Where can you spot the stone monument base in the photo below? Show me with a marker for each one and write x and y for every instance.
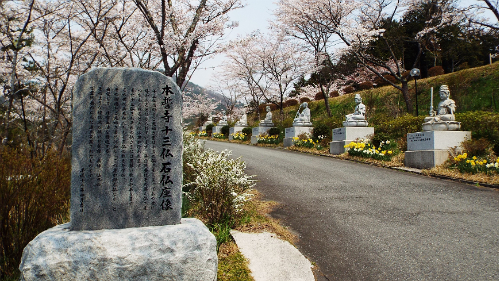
(442, 126)
(258, 131)
(429, 149)
(185, 251)
(425, 159)
(345, 135)
(235, 129)
(217, 130)
(294, 131)
(355, 123)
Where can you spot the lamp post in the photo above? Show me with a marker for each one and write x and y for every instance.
(415, 73)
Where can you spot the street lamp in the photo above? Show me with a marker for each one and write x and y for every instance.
(416, 73)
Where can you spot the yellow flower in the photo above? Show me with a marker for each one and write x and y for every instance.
(474, 157)
(390, 152)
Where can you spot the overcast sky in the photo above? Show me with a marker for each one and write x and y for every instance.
(253, 16)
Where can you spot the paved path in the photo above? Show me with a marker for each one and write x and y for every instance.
(359, 222)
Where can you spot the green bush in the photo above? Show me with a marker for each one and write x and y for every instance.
(34, 196)
(248, 131)
(482, 124)
(321, 131)
(209, 129)
(225, 130)
(274, 131)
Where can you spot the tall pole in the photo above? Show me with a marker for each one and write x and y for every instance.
(416, 87)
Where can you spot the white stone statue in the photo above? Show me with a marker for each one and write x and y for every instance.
(358, 117)
(243, 122)
(209, 121)
(223, 121)
(302, 118)
(268, 119)
(443, 119)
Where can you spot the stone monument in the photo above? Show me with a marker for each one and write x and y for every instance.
(301, 124)
(239, 126)
(430, 147)
(125, 188)
(263, 127)
(354, 127)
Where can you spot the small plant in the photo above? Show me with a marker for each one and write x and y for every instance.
(209, 129)
(474, 164)
(239, 136)
(364, 148)
(266, 139)
(218, 136)
(248, 131)
(308, 143)
(225, 131)
(203, 134)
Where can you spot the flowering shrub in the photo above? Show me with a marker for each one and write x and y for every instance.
(203, 134)
(364, 148)
(239, 136)
(268, 139)
(475, 165)
(308, 143)
(215, 185)
(218, 135)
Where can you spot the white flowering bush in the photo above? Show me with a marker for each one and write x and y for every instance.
(216, 186)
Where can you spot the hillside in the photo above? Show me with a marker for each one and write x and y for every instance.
(475, 91)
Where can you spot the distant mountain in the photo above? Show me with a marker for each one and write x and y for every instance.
(196, 89)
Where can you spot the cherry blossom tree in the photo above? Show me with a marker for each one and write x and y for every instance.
(363, 27)
(199, 106)
(183, 32)
(266, 67)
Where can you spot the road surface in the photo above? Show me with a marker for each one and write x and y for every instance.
(359, 222)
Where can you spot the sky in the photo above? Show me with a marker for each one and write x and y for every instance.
(255, 15)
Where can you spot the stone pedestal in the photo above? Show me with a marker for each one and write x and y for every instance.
(217, 130)
(429, 149)
(292, 132)
(345, 135)
(186, 251)
(235, 129)
(202, 128)
(258, 131)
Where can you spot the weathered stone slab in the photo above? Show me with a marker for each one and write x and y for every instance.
(352, 133)
(127, 150)
(425, 159)
(436, 140)
(186, 251)
(217, 129)
(295, 131)
(235, 129)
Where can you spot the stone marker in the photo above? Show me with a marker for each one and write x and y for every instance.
(127, 148)
(125, 189)
(263, 127)
(441, 132)
(354, 127)
(301, 124)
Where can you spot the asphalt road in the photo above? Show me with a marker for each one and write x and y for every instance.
(359, 222)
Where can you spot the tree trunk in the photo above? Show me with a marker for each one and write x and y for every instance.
(326, 99)
(407, 97)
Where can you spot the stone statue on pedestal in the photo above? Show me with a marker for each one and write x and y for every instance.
(243, 122)
(267, 122)
(443, 119)
(358, 117)
(302, 118)
(223, 121)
